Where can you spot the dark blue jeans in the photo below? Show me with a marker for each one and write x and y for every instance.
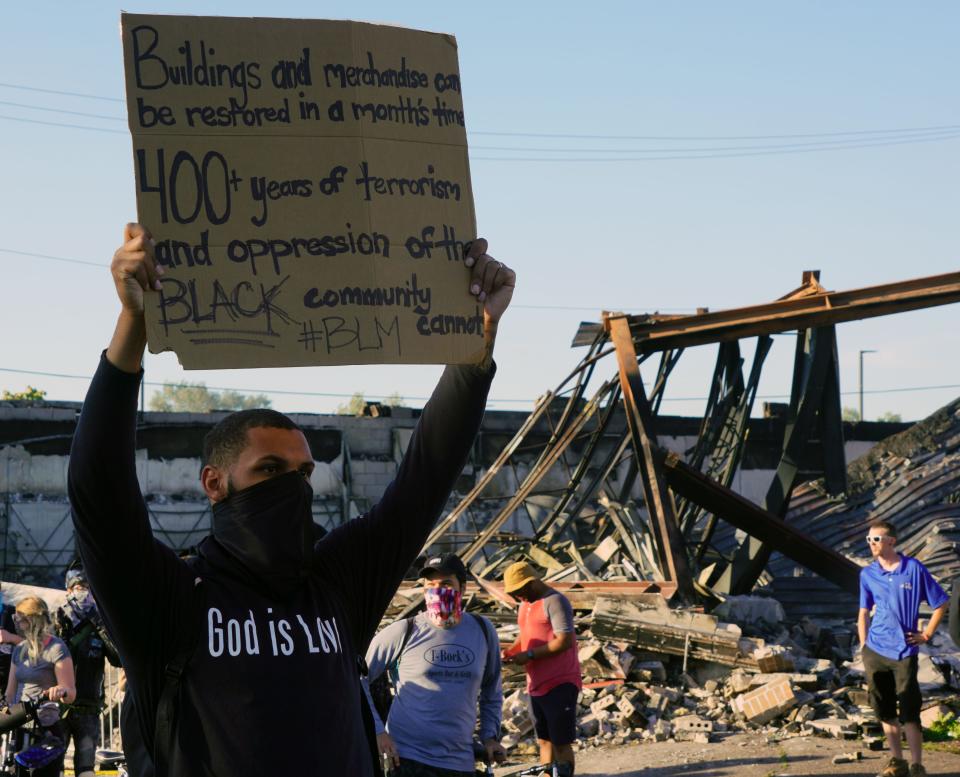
(84, 727)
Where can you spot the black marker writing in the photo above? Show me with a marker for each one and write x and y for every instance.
(336, 74)
(424, 186)
(151, 71)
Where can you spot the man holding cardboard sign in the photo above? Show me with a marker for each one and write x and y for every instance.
(244, 661)
(307, 187)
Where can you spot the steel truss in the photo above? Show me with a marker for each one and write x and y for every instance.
(575, 463)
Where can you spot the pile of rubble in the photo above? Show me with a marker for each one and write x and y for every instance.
(686, 675)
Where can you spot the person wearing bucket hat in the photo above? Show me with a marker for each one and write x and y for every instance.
(547, 648)
(442, 664)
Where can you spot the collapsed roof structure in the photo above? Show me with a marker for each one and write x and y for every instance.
(673, 523)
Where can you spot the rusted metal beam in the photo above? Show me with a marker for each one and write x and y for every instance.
(725, 462)
(757, 522)
(659, 502)
(582, 466)
(551, 457)
(444, 526)
(814, 404)
(800, 311)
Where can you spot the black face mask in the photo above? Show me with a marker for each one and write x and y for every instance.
(268, 529)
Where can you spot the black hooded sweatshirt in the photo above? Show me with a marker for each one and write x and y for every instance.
(272, 686)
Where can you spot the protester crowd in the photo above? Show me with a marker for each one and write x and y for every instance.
(57, 656)
(432, 681)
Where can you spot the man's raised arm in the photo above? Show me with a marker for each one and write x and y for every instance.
(372, 553)
(128, 570)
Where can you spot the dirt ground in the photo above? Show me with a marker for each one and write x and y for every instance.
(743, 755)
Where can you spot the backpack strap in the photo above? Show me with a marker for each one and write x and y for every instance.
(165, 731)
(366, 715)
(392, 671)
(77, 639)
(366, 712)
(493, 643)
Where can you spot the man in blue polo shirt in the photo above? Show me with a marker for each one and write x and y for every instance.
(893, 587)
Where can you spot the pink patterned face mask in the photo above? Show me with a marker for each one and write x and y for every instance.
(443, 606)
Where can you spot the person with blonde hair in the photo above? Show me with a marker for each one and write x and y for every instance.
(41, 664)
(41, 667)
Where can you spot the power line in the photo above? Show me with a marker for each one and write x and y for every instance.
(59, 124)
(61, 110)
(854, 392)
(845, 140)
(897, 390)
(682, 138)
(684, 154)
(938, 128)
(924, 139)
(25, 88)
(328, 395)
(101, 265)
(594, 136)
(819, 143)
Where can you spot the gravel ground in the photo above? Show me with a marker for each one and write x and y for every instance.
(743, 755)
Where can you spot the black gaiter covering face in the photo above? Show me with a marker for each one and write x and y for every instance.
(268, 529)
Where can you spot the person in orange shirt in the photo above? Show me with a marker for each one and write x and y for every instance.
(547, 649)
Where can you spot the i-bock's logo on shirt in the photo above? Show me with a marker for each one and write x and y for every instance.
(450, 656)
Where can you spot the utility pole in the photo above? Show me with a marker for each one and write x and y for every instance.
(861, 381)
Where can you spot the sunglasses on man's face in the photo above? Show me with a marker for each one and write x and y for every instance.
(875, 538)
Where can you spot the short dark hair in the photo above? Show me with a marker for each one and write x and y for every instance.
(891, 529)
(223, 443)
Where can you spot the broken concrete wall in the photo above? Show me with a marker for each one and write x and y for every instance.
(23, 472)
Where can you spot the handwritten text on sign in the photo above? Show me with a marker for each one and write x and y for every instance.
(308, 187)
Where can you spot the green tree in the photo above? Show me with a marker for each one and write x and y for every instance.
(358, 403)
(851, 414)
(353, 406)
(197, 398)
(32, 394)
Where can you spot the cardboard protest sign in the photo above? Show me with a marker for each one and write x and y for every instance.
(308, 187)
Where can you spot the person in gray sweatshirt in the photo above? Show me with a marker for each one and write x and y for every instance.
(442, 663)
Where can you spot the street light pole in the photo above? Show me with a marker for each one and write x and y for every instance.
(861, 381)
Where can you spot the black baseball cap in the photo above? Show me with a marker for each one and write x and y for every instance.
(75, 576)
(449, 563)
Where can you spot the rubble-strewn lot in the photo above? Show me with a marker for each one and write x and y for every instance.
(655, 674)
(744, 755)
(686, 667)
(762, 676)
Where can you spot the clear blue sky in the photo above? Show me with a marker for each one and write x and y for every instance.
(725, 229)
